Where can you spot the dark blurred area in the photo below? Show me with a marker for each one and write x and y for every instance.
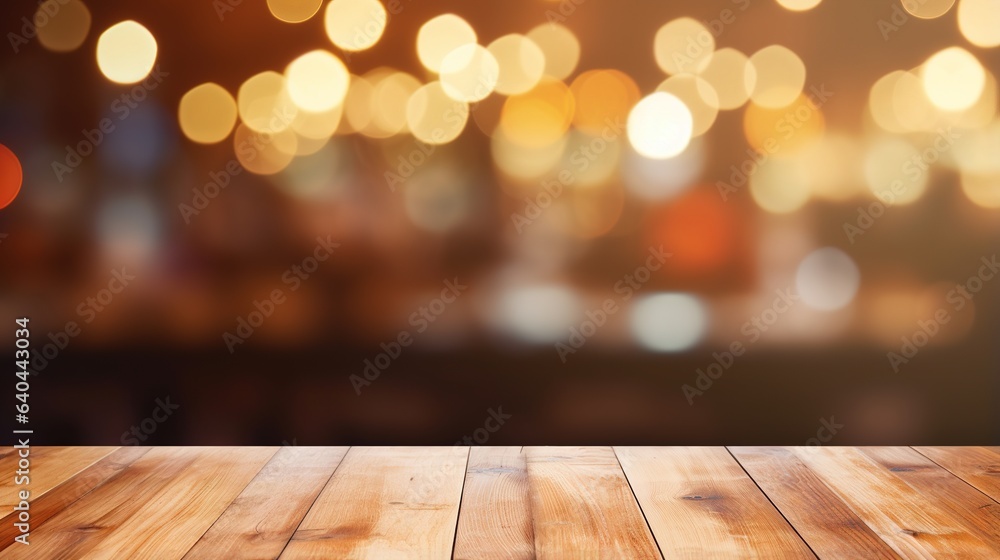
(374, 284)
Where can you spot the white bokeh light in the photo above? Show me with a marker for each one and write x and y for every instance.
(827, 279)
(668, 322)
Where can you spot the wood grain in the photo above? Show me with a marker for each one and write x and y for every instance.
(975, 510)
(157, 508)
(48, 468)
(261, 520)
(582, 506)
(914, 526)
(830, 528)
(494, 522)
(700, 504)
(386, 502)
(59, 498)
(979, 466)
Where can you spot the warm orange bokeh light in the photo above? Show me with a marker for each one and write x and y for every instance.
(10, 176)
(698, 228)
(603, 97)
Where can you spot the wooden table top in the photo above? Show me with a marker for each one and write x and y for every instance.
(506, 502)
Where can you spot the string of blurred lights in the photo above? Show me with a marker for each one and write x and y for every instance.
(543, 116)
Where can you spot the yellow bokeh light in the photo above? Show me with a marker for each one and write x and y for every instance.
(784, 130)
(699, 97)
(800, 5)
(126, 52)
(390, 95)
(62, 24)
(538, 117)
(603, 98)
(355, 25)
(525, 163)
(730, 76)
(560, 46)
(780, 186)
(433, 117)
(910, 105)
(293, 11)
(317, 126)
(979, 22)
(881, 105)
(317, 81)
(469, 73)
(953, 79)
(441, 35)
(832, 164)
(521, 63)
(895, 171)
(927, 9)
(778, 76)
(207, 113)
(975, 151)
(682, 45)
(264, 104)
(982, 112)
(358, 105)
(264, 153)
(660, 126)
(983, 190)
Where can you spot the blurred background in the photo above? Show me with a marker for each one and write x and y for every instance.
(364, 222)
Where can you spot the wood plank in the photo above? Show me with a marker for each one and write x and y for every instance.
(979, 466)
(582, 506)
(71, 533)
(261, 520)
(49, 467)
(977, 511)
(700, 504)
(494, 522)
(157, 508)
(388, 502)
(9, 464)
(913, 525)
(827, 524)
(59, 498)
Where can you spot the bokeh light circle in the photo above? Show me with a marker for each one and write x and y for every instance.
(827, 279)
(355, 25)
(668, 322)
(126, 52)
(660, 126)
(317, 81)
(207, 113)
(62, 25)
(11, 176)
(441, 35)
